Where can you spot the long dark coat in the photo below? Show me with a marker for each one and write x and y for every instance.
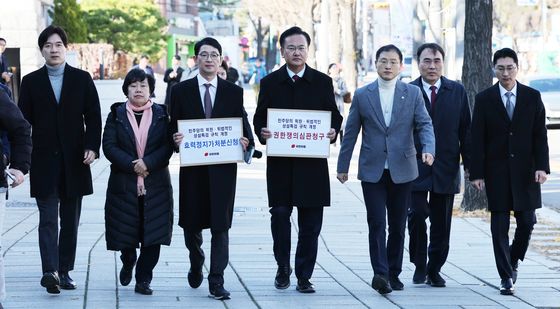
(507, 153)
(451, 119)
(171, 81)
(301, 182)
(207, 192)
(65, 129)
(122, 221)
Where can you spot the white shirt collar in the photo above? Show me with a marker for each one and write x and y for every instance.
(503, 90)
(300, 73)
(202, 81)
(427, 86)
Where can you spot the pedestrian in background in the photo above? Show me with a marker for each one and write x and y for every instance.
(172, 76)
(259, 71)
(340, 91)
(300, 182)
(388, 112)
(62, 106)
(139, 203)
(19, 131)
(509, 159)
(433, 192)
(5, 76)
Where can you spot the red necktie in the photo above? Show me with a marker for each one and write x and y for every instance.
(295, 78)
(433, 97)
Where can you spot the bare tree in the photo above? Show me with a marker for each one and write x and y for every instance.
(348, 27)
(477, 73)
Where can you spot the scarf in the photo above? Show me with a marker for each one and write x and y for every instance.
(140, 133)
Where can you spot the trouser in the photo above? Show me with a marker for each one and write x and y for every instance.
(438, 208)
(58, 250)
(310, 221)
(219, 254)
(149, 257)
(386, 203)
(504, 254)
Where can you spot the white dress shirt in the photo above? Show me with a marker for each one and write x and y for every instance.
(202, 88)
(427, 89)
(300, 73)
(512, 99)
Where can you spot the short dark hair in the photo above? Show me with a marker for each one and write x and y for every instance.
(207, 41)
(50, 30)
(293, 31)
(505, 53)
(2, 39)
(138, 75)
(144, 57)
(388, 48)
(331, 66)
(177, 57)
(224, 65)
(434, 47)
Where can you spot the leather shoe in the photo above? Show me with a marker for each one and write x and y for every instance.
(217, 291)
(282, 280)
(419, 276)
(51, 282)
(435, 280)
(125, 276)
(395, 283)
(381, 284)
(143, 288)
(67, 283)
(195, 277)
(304, 286)
(506, 287)
(514, 267)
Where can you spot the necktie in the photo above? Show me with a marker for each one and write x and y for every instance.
(433, 97)
(295, 78)
(207, 102)
(509, 105)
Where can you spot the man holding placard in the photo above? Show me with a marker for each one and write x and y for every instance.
(207, 190)
(293, 178)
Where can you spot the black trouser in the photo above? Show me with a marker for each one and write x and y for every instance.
(149, 257)
(219, 254)
(505, 254)
(310, 221)
(386, 203)
(58, 251)
(439, 209)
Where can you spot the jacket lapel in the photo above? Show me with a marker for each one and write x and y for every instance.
(218, 101)
(499, 104)
(398, 100)
(66, 84)
(375, 102)
(193, 91)
(48, 87)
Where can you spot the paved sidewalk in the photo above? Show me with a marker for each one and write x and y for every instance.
(342, 275)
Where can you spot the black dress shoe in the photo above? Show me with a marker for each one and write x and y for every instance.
(514, 267)
(143, 288)
(381, 284)
(51, 282)
(435, 280)
(125, 276)
(304, 286)
(67, 283)
(506, 287)
(419, 276)
(217, 291)
(282, 280)
(396, 283)
(195, 277)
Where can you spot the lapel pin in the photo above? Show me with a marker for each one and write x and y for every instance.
(402, 97)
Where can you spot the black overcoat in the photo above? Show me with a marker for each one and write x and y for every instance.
(451, 119)
(65, 129)
(301, 182)
(122, 220)
(507, 153)
(206, 193)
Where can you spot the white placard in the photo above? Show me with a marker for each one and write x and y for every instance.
(298, 133)
(210, 141)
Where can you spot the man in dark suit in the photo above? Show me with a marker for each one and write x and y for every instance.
(172, 76)
(207, 192)
(300, 182)
(62, 106)
(4, 75)
(434, 190)
(509, 159)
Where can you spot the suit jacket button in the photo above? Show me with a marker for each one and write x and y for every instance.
(511, 133)
(511, 155)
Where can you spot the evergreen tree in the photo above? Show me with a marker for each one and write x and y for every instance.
(68, 15)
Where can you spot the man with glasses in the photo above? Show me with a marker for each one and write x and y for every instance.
(434, 190)
(207, 192)
(509, 159)
(300, 182)
(388, 112)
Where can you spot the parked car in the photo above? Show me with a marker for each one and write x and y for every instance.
(406, 73)
(549, 86)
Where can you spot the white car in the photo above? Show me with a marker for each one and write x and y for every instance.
(549, 86)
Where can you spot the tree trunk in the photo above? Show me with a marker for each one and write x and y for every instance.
(477, 74)
(335, 24)
(348, 25)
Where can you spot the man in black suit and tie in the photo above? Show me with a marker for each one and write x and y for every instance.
(207, 192)
(509, 159)
(434, 190)
(61, 104)
(300, 182)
